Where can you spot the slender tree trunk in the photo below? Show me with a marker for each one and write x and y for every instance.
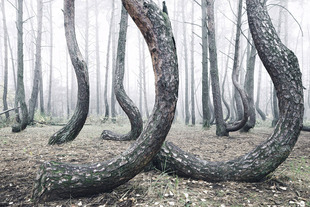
(36, 81)
(106, 102)
(57, 180)
(187, 115)
(217, 102)
(6, 66)
(13, 63)
(282, 65)
(73, 127)
(125, 102)
(260, 112)
(67, 91)
(113, 101)
(49, 100)
(20, 124)
(97, 62)
(86, 31)
(249, 86)
(144, 82)
(140, 85)
(205, 74)
(193, 68)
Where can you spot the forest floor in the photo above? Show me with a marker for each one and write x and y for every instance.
(22, 153)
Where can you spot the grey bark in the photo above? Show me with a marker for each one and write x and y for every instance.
(259, 111)
(58, 180)
(113, 101)
(146, 108)
(98, 74)
(193, 69)
(217, 101)
(282, 65)
(21, 122)
(105, 94)
(206, 114)
(36, 81)
(73, 127)
(6, 62)
(49, 100)
(249, 87)
(186, 105)
(125, 102)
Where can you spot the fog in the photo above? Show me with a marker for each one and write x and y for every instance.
(296, 36)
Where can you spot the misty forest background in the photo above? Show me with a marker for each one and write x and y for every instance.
(97, 26)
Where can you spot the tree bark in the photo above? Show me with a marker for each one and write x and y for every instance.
(125, 102)
(249, 87)
(113, 101)
(259, 111)
(57, 180)
(98, 74)
(146, 108)
(76, 123)
(20, 124)
(36, 81)
(282, 65)
(187, 115)
(49, 100)
(217, 101)
(105, 94)
(206, 114)
(193, 116)
(6, 65)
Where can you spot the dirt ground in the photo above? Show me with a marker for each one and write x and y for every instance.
(22, 154)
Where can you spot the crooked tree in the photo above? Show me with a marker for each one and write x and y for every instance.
(58, 180)
(283, 68)
(125, 102)
(76, 123)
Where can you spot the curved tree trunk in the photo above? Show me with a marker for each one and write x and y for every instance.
(249, 88)
(125, 102)
(57, 180)
(76, 123)
(282, 65)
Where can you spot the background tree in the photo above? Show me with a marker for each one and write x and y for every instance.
(76, 123)
(125, 102)
(6, 62)
(21, 122)
(38, 66)
(205, 74)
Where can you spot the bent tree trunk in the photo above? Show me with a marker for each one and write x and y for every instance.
(125, 102)
(76, 123)
(57, 180)
(283, 67)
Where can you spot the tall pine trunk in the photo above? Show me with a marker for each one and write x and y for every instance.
(21, 122)
(6, 66)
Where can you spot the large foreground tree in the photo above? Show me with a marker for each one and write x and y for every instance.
(58, 180)
(282, 65)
